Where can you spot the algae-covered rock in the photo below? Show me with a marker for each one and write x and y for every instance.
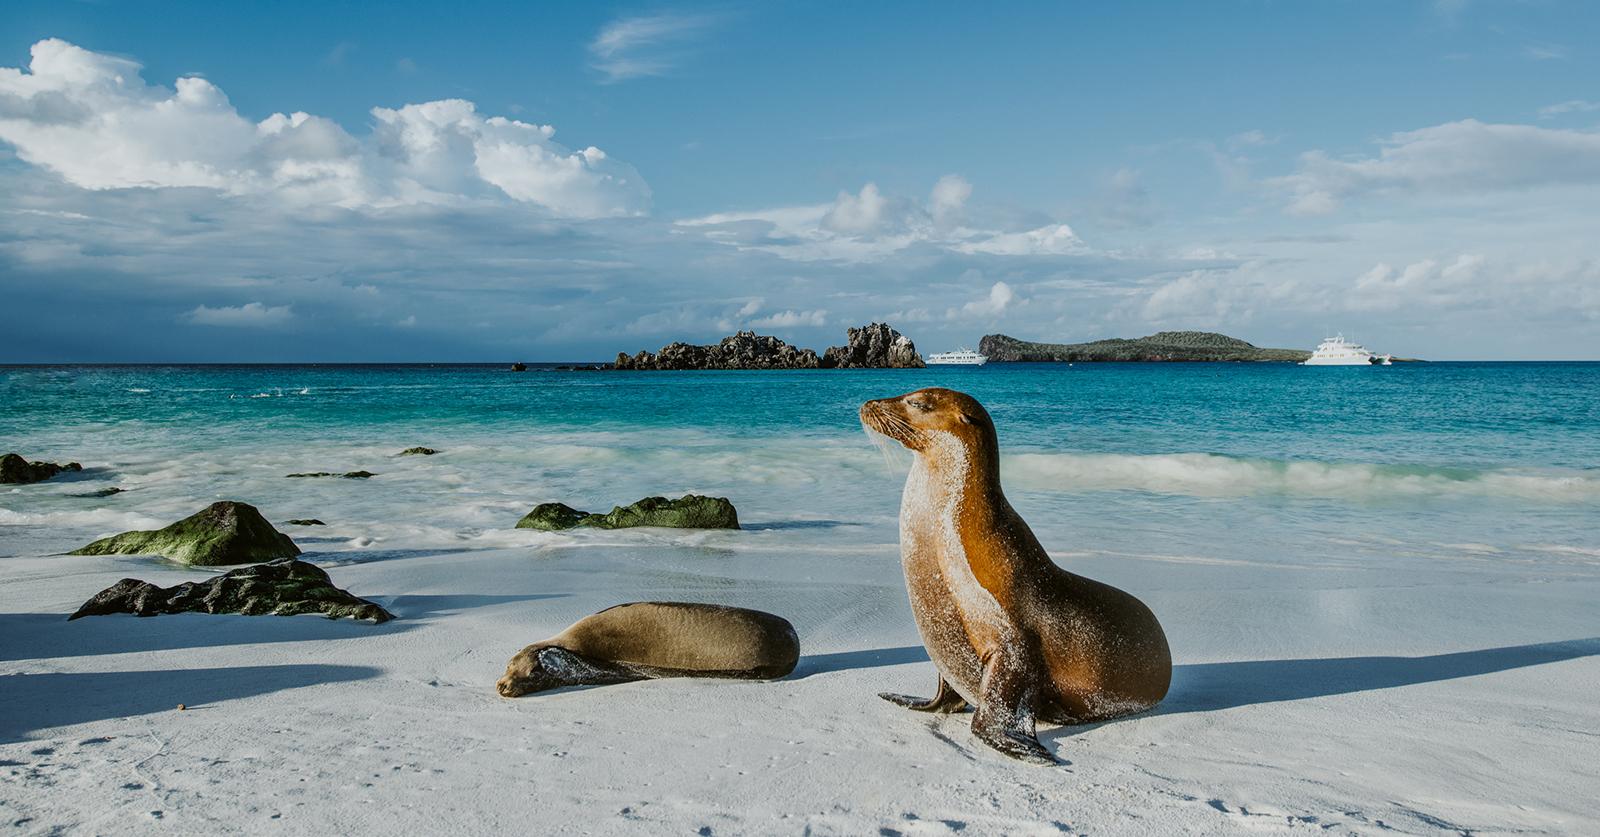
(16, 470)
(223, 533)
(552, 517)
(305, 521)
(104, 492)
(285, 587)
(350, 475)
(691, 511)
(418, 451)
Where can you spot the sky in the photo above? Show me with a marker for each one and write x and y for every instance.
(342, 182)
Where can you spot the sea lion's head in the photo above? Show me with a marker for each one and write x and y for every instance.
(526, 674)
(916, 418)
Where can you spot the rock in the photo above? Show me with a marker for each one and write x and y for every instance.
(875, 346)
(104, 492)
(223, 533)
(744, 350)
(1164, 346)
(285, 587)
(305, 521)
(418, 451)
(691, 511)
(352, 475)
(16, 470)
(872, 346)
(552, 517)
(519, 366)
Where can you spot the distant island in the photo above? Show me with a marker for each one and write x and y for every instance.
(1163, 346)
(875, 346)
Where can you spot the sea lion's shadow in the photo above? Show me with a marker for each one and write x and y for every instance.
(1211, 687)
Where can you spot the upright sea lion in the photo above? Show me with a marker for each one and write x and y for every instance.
(1009, 631)
(647, 640)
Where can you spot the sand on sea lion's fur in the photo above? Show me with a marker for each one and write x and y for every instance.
(1009, 631)
(645, 640)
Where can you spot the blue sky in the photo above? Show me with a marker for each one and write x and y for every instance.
(565, 181)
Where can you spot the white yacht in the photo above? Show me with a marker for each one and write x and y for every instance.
(1337, 351)
(960, 357)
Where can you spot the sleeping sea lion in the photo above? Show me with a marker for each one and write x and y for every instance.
(647, 640)
(1010, 632)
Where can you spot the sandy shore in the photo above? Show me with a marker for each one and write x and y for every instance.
(1316, 698)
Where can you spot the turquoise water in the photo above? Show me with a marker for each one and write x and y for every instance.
(1274, 462)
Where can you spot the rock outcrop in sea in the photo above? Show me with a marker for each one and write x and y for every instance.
(15, 470)
(351, 475)
(285, 587)
(223, 533)
(691, 511)
(418, 451)
(1165, 346)
(874, 346)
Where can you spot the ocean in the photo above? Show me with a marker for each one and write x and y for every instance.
(1264, 462)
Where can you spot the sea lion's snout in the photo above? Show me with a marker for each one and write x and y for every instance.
(521, 676)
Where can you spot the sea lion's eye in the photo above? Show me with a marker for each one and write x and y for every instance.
(919, 405)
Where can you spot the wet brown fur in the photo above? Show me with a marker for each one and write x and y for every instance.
(1067, 649)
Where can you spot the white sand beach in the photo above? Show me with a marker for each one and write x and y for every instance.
(1315, 697)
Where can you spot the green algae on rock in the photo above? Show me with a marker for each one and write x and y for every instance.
(223, 533)
(285, 587)
(692, 511)
(18, 471)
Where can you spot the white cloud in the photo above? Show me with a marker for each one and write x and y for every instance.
(1546, 52)
(1001, 297)
(871, 226)
(751, 307)
(1569, 106)
(1052, 240)
(649, 45)
(249, 315)
(91, 119)
(408, 322)
(857, 214)
(948, 197)
(792, 319)
(1462, 157)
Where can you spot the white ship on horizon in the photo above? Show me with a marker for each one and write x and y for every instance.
(960, 357)
(1337, 351)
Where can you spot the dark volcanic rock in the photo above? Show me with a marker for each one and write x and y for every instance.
(352, 475)
(305, 521)
(418, 451)
(744, 350)
(104, 492)
(223, 533)
(16, 470)
(519, 366)
(285, 587)
(1162, 346)
(872, 346)
(875, 346)
(691, 511)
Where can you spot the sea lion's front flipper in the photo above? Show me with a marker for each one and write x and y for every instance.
(944, 701)
(1004, 719)
(570, 669)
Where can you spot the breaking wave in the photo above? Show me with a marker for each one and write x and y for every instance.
(1214, 475)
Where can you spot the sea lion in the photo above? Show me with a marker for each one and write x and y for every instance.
(647, 640)
(1010, 632)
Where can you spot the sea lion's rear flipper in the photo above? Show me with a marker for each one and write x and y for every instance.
(1004, 719)
(944, 701)
(570, 669)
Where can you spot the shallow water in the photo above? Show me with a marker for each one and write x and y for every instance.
(1176, 462)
